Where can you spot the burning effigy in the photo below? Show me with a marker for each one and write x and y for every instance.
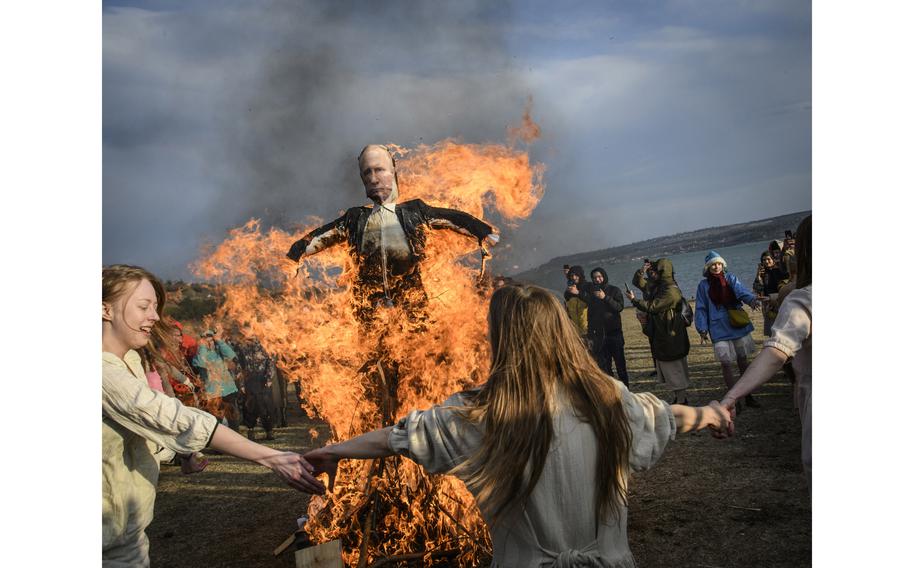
(371, 333)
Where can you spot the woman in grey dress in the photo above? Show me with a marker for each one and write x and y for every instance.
(546, 445)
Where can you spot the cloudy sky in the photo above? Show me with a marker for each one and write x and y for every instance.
(656, 116)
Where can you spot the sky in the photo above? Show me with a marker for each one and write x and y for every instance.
(656, 116)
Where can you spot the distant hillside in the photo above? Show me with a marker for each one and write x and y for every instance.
(700, 240)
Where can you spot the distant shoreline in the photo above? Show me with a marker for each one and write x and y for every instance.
(679, 243)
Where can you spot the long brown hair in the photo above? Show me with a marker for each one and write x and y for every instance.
(119, 279)
(804, 253)
(536, 353)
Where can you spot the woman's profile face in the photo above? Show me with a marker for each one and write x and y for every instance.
(716, 268)
(134, 314)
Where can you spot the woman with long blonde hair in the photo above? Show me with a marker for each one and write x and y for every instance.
(545, 445)
(138, 422)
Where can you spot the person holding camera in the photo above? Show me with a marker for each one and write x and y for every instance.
(768, 280)
(605, 304)
(576, 296)
(645, 279)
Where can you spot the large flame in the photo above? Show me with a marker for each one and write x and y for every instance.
(305, 317)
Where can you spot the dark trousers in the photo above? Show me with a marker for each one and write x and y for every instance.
(258, 406)
(607, 349)
(231, 411)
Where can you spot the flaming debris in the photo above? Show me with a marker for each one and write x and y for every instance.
(356, 377)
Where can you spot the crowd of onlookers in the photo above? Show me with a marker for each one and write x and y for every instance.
(234, 379)
(718, 317)
(594, 306)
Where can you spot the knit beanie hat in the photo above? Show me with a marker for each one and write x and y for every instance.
(714, 256)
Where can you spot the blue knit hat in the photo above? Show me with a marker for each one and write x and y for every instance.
(714, 256)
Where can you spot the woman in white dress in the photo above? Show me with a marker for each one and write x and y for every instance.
(546, 445)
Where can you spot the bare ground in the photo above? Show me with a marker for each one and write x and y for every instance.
(708, 503)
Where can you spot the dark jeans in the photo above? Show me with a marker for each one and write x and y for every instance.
(608, 349)
(258, 405)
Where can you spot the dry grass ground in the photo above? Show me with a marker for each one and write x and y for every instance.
(707, 503)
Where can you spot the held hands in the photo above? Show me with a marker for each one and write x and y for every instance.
(294, 470)
(730, 405)
(719, 419)
(324, 461)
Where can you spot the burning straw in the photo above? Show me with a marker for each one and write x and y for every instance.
(385, 508)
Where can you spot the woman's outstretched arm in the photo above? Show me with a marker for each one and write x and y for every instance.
(291, 467)
(713, 416)
(374, 444)
(762, 368)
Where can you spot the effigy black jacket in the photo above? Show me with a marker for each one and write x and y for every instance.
(414, 215)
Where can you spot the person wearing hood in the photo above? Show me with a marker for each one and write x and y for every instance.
(719, 314)
(387, 241)
(768, 280)
(576, 296)
(605, 304)
(666, 330)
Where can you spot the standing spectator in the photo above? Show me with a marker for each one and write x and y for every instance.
(258, 373)
(280, 398)
(791, 341)
(667, 330)
(212, 361)
(576, 301)
(188, 344)
(720, 294)
(605, 304)
(768, 280)
(645, 279)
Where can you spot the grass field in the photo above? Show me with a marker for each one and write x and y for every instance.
(708, 503)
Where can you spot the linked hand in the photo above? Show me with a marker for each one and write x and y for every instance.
(294, 470)
(722, 427)
(730, 405)
(324, 462)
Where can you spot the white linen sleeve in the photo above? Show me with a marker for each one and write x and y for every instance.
(793, 323)
(438, 439)
(154, 415)
(652, 424)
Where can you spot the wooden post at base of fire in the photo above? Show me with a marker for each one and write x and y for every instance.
(325, 555)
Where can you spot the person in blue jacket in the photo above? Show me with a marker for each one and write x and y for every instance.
(718, 293)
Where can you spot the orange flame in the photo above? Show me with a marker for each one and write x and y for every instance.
(306, 318)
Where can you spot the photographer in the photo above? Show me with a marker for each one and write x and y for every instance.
(768, 280)
(576, 295)
(646, 279)
(605, 303)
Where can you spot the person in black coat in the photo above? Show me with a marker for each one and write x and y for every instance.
(605, 304)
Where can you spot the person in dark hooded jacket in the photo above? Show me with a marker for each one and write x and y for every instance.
(667, 330)
(605, 304)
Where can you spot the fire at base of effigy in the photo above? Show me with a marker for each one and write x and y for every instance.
(359, 377)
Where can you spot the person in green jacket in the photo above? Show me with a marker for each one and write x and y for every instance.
(667, 330)
(576, 299)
